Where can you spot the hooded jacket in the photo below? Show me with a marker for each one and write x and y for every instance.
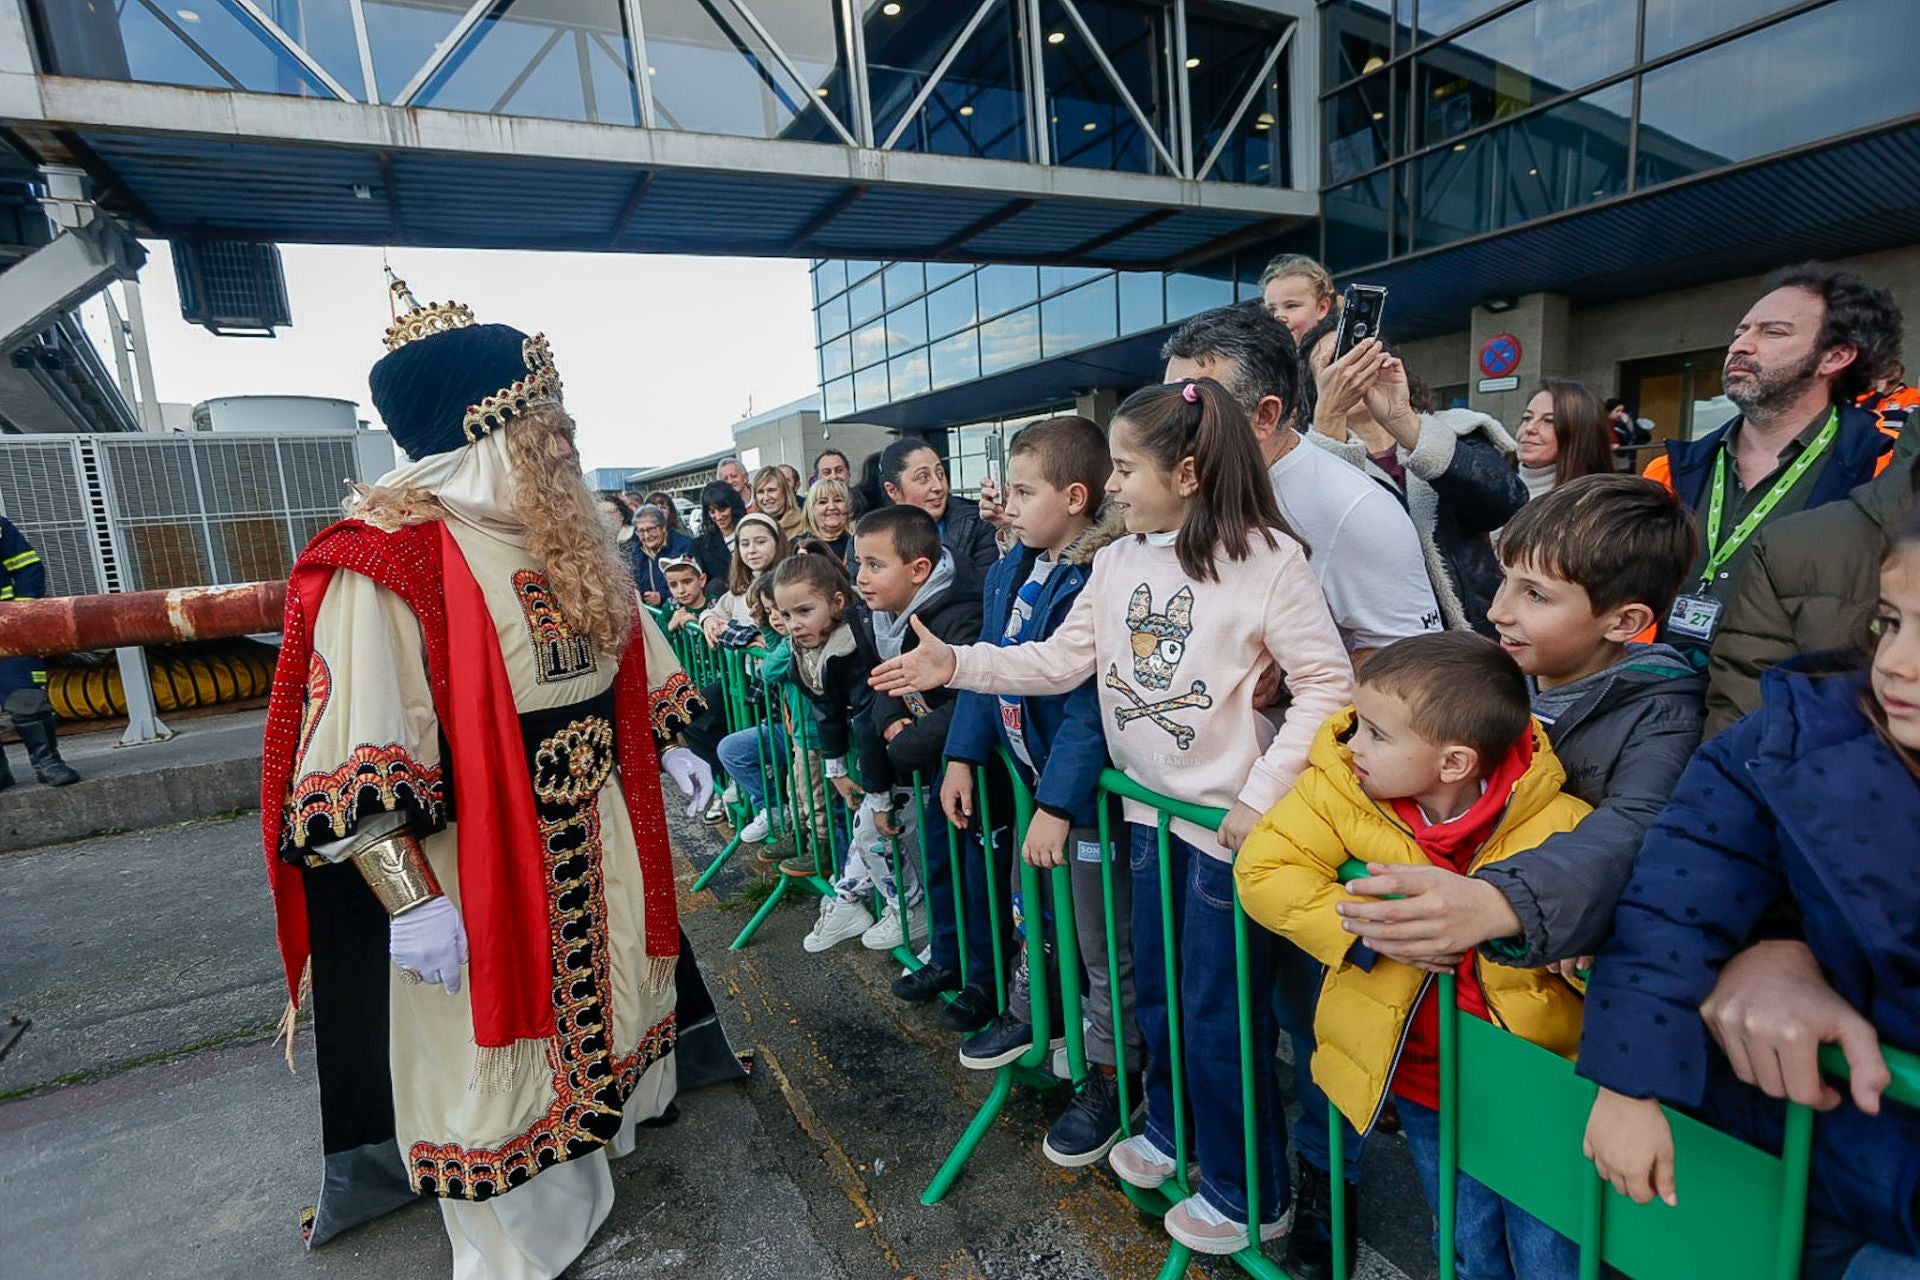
(954, 616)
(1461, 487)
(647, 574)
(841, 697)
(1808, 584)
(1624, 743)
(1062, 731)
(964, 533)
(1801, 799)
(1288, 872)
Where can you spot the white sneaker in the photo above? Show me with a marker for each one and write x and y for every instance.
(731, 796)
(716, 812)
(1204, 1229)
(838, 921)
(1139, 1162)
(886, 933)
(756, 831)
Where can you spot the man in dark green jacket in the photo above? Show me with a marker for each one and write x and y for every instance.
(1809, 584)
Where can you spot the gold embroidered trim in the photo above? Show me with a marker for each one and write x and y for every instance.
(571, 766)
(424, 322)
(541, 383)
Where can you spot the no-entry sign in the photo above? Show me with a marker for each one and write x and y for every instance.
(1499, 355)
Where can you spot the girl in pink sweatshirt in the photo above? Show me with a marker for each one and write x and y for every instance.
(1177, 625)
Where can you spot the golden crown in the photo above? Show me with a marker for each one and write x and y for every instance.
(421, 321)
(541, 383)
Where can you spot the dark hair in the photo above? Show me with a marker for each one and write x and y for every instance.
(719, 493)
(1420, 397)
(1070, 450)
(1234, 499)
(821, 573)
(662, 499)
(1855, 315)
(1904, 536)
(893, 459)
(1585, 438)
(792, 473)
(626, 511)
(1303, 365)
(913, 533)
(824, 454)
(761, 588)
(1458, 687)
(1615, 402)
(1260, 349)
(1623, 539)
(868, 495)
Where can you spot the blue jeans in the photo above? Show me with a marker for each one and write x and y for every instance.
(1210, 1026)
(1493, 1239)
(1835, 1251)
(1296, 995)
(740, 755)
(973, 891)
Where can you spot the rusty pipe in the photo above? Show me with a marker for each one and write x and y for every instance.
(65, 624)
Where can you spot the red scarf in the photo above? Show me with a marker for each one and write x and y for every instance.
(1452, 845)
(503, 883)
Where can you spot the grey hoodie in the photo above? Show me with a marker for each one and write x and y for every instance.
(1624, 735)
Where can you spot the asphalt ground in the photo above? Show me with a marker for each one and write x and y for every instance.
(148, 1127)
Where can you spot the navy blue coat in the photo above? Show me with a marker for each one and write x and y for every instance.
(1801, 799)
(1856, 452)
(1062, 730)
(646, 569)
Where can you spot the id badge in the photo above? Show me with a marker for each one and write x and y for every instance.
(1695, 618)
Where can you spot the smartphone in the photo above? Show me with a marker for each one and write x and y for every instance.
(994, 469)
(1362, 306)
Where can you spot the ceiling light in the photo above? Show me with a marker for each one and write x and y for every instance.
(966, 111)
(1379, 115)
(1192, 63)
(186, 15)
(1089, 127)
(1373, 64)
(1264, 168)
(361, 191)
(1265, 120)
(653, 71)
(1533, 173)
(1056, 37)
(1459, 146)
(821, 91)
(891, 10)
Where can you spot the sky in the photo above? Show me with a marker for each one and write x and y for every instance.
(659, 355)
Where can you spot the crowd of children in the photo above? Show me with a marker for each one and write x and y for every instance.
(1534, 813)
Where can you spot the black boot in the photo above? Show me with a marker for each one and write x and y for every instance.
(1310, 1253)
(43, 748)
(6, 774)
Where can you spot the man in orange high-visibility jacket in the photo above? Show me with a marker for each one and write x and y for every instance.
(1891, 400)
(1799, 359)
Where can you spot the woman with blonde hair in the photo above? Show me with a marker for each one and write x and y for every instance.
(773, 496)
(829, 513)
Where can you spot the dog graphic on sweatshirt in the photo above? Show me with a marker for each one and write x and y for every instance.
(1159, 642)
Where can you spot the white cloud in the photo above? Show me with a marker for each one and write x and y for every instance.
(660, 355)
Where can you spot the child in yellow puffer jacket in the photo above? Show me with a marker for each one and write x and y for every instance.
(1437, 770)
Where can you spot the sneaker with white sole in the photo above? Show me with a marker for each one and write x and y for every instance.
(757, 830)
(1204, 1229)
(716, 812)
(731, 796)
(885, 933)
(838, 921)
(1139, 1163)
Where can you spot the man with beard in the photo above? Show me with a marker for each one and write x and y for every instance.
(1800, 358)
(464, 832)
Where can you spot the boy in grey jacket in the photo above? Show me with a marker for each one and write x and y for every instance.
(1587, 567)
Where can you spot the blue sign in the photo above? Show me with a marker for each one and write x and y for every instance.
(1499, 355)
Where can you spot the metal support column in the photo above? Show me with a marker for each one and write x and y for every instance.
(142, 357)
(143, 717)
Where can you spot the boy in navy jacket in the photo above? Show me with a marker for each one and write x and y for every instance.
(1056, 473)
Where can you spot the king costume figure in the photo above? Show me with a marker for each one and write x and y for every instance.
(463, 820)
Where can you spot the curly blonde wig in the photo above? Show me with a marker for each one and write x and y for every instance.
(565, 533)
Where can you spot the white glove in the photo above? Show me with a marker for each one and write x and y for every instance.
(692, 775)
(431, 941)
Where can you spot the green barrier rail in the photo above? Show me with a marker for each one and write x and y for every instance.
(1530, 1156)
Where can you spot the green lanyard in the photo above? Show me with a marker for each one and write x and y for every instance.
(1721, 552)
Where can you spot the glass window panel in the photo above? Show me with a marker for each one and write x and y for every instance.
(231, 53)
(1760, 94)
(1356, 223)
(978, 108)
(1087, 118)
(870, 387)
(904, 280)
(907, 328)
(1560, 159)
(1054, 279)
(1189, 293)
(1080, 317)
(956, 359)
(838, 397)
(939, 273)
(865, 301)
(829, 277)
(1437, 17)
(1230, 56)
(869, 344)
(1675, 24)
(1535, 52)
(711, 74)
(1356, 38)
(831, 320)
(836, 359)
(909, 375)
(951, 308)
(1004, 287)
(1142, 305)
(1010, 341)
(1355, 122)
(859, 269)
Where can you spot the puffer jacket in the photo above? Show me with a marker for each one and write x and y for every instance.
(964, 533)
(1461, 487)
(1062, 731)
(1801, 799)
(1808, 585)
(1288, 873)
(1623, 743)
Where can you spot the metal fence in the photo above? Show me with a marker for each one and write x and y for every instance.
(138, 513)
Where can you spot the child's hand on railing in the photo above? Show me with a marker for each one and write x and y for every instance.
(1239, 824)
(928, 666)
(1771, 1012)
(1046, 842)
(712, 626)
(1435, 914)
(1573, 968)
(956, 794)
(1631, 1146)
(847, 789)
(883, 822)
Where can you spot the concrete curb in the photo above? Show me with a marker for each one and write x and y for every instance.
(33, 815)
